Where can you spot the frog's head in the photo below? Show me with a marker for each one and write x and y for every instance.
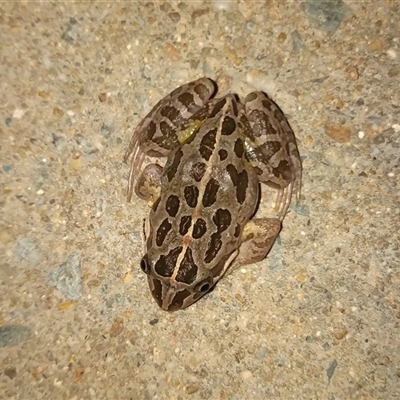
(176, 282)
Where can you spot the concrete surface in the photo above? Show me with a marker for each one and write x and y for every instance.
(318, 319)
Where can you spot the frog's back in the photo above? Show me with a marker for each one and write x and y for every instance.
(209, 190)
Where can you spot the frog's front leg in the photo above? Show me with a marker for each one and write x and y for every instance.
(148, 183)
(271, 148)
(165, 126)
(258, 237)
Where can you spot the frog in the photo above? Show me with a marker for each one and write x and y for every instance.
(199, 161)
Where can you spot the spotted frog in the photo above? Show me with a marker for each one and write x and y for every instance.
(203, 200)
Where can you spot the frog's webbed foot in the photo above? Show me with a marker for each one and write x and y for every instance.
(283, 200)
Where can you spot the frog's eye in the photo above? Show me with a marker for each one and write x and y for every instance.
(203, 286)
(145, 265)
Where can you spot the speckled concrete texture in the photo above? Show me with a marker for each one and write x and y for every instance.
(317, 319)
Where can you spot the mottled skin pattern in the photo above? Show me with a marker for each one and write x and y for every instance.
(163, 127)
(204, 198)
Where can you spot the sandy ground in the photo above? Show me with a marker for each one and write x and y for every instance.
(317, 319)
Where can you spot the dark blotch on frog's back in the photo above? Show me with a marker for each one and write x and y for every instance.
(166, 264)
(187, 271)
(191, 194)
(240, 180)
(207, 144)
(210, 192)
(172, 205)
(163, 231)
(184, 224)
(199, 228)
(173, 167)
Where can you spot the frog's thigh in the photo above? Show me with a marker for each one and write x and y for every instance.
(269, 147)
(257, 239)
(148, 183)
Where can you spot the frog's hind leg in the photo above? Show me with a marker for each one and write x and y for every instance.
(166, 126)
(271, 148)
(258, 237)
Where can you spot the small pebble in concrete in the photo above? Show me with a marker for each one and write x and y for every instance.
(27, 250)
(10, 335)
(331, 369)
(67, 277)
